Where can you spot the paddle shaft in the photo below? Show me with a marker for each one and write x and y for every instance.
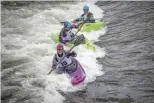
(94, 19)
(79, 29)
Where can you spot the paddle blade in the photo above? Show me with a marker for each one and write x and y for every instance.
(79, 40)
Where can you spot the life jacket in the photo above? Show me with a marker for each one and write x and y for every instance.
(66, 60)
(66, 35)
(85, 16)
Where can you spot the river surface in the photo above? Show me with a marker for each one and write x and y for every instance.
(120, 71)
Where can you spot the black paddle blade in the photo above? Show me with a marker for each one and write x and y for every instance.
(79, 40)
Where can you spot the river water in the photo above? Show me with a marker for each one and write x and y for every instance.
(120, 71)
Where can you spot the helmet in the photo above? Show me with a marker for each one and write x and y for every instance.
(67, 24)
(60, 46)
(86, 7)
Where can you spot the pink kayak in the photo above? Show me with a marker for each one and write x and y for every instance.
(78, 75)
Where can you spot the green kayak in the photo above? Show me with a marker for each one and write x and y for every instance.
(88, 44)
(88, 27)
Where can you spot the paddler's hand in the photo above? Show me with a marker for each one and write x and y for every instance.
(73, 54)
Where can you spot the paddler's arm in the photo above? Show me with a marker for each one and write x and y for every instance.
(73, 54)
(83, 22)
(90, 18)
(77, 20)
(74, 26)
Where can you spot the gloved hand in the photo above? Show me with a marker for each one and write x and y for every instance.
(74, 54)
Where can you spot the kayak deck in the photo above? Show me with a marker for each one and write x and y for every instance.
(78, 75)
(88, 27)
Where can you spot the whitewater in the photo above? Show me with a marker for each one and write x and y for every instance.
(27, 51)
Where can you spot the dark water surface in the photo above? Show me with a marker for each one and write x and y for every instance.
(129, 62)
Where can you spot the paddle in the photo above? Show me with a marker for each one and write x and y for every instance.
(91, 22)
(81, 25)
(77, 42)
(79, 29)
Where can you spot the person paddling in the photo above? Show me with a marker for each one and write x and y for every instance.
(66, 34)
(86, 17)
(64, 57)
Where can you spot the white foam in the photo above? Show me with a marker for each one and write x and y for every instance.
(38, 46)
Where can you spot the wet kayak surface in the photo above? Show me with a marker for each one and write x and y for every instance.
(129, 60)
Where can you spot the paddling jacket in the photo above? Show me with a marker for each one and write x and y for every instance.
(86, 17)
(66, 36)
(66, 59)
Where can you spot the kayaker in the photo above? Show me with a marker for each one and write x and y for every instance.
(85, 17)
(66, 34)
(64, 58)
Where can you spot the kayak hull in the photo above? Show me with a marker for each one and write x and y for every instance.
(88, 27)
(78, 75)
